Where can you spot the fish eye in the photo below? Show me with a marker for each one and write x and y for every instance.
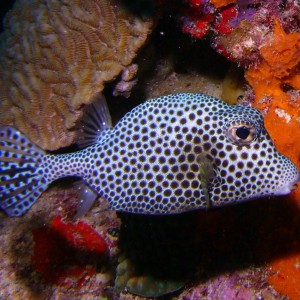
(241, 134)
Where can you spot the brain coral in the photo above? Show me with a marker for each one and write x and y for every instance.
(56, 55)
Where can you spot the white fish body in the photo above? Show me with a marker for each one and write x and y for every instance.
(168, 155)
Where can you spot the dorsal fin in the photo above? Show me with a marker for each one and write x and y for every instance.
(96, 119)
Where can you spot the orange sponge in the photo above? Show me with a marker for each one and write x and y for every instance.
(221, 3)
(286, 275)
(277, 70)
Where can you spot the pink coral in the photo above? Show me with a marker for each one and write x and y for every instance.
(201, 17)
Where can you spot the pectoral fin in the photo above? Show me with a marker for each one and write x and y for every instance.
(207, 173)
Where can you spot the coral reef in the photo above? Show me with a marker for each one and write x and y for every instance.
(55, 56)
(238, 29)
(128, 81)
(237, 252)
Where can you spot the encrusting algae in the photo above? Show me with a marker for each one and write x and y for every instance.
(55, 56)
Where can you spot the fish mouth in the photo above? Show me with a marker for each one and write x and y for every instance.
(293, 186)
(287, 188)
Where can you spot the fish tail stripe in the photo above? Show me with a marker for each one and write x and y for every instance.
(12, 150)
(14, 171)
(20, 180)
(10, 135)
(13, 193)
(14, 183)
(22, 205)
(20, 159)
(18, 194)
(9, 187)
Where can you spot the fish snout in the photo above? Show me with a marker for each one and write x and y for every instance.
(289, 182)
(294, 184)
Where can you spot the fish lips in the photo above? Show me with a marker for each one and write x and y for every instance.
(287, 188)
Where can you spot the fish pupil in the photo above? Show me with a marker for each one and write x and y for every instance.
(242, 132)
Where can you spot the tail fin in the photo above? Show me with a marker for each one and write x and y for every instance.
(20, 181)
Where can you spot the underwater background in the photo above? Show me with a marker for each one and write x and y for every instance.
(60, 54)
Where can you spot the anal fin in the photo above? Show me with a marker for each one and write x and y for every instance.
(87, 198)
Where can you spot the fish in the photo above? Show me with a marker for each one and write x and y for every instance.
(168, 155)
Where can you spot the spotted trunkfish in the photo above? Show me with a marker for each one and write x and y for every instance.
(168, 155)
